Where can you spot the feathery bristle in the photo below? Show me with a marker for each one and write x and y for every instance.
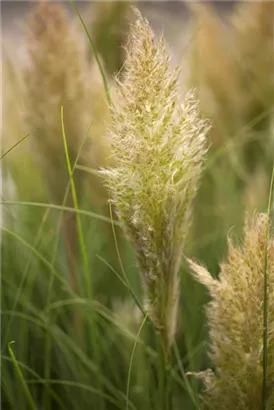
(159, 147)
(235, 317)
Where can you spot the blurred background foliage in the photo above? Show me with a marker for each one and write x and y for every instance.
(63, 297)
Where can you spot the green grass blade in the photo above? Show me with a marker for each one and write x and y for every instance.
(62, 208)
(76, 206)
(95, 53)
(184, 376)
(37, 379)
(120, 278)
(22, 379)
(25, 274)
(15, 145)
(78, 385)
(40, 257)
(131, 359)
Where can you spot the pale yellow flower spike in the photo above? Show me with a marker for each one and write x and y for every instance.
(235, 317)
(57, 74)
(159, 148)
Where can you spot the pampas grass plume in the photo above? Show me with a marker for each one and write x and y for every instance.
(56, 74)
(159, 146)
(235, 317)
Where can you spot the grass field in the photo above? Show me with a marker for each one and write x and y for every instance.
(116, 200)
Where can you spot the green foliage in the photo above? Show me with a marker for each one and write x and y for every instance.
(110, 29)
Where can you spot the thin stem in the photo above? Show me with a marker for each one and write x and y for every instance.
(163, 378)
(131, 359)
(29, 398)
(62, 208)
(104, 79)
(76, 206)
(15, 145)
(265, 307)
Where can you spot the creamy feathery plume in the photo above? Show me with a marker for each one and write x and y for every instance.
(57, 73)
(254, 58)
(211, 70)
(159, 147)
(15, 130)
(235, 318)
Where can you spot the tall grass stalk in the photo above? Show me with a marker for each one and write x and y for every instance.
(149, 186)
(165, 399)
(152, 138)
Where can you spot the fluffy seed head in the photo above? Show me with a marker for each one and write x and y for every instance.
(235, 318)
(56, 74)
(158, 145)
(254, 36)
